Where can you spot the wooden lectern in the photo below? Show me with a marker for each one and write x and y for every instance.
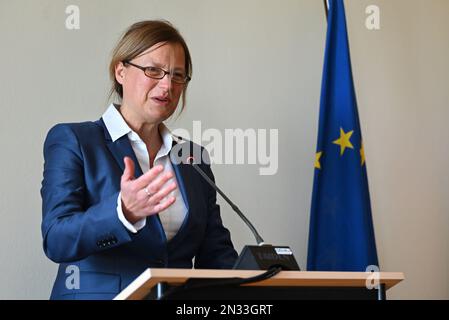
(156, 284)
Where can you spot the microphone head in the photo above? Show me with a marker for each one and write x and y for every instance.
(190, 160)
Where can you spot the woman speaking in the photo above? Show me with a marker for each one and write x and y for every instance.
(113, 200)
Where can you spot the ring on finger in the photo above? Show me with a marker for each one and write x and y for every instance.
(147, 192)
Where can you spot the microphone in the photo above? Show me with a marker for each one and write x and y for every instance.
(261, 257)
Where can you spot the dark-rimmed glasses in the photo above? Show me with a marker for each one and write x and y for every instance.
(159, 73)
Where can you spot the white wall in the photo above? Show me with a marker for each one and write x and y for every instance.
(257, 64)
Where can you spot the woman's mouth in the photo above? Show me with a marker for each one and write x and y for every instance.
(161, 100)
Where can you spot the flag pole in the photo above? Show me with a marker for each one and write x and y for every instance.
(326, 7)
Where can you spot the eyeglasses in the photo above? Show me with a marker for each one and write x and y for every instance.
(159, 73)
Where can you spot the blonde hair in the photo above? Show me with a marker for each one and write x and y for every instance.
(137, 39)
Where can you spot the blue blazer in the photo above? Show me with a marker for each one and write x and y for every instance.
(80, 226)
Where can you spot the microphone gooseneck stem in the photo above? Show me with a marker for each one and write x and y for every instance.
(259, 239)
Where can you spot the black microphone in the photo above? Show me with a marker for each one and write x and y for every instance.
(260, 257)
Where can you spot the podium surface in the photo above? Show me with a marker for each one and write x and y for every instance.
(150, 278)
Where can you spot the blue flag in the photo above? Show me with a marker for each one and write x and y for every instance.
(341, 234)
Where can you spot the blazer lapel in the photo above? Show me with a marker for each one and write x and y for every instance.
(182, 175)
(185, 176)
(121, 148)
(184, 172)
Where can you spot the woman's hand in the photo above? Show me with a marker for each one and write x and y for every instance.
(144, 196)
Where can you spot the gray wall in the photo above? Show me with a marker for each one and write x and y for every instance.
(50, 74)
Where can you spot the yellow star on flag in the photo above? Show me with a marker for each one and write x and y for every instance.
(317, 159)
(344, 142)
(362, 154)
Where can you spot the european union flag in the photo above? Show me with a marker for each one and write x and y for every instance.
(341, 235)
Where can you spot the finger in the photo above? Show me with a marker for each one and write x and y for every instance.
(161, 206)
(159, 182)
(161, 194)
(128, 172)
(145, 179)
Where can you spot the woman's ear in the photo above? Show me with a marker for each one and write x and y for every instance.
(120, 72)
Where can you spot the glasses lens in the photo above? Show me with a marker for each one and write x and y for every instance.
(154, 72)
(158, 73)
(178, 77)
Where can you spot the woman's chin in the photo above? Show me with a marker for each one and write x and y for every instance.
(159, 114)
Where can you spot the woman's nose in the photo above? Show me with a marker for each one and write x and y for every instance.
(165, 82)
